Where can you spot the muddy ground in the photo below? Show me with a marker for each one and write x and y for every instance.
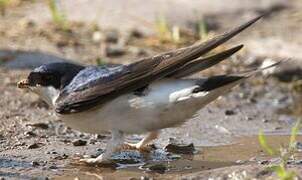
(36, 144)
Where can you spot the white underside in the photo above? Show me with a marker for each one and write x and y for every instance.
(167, 103)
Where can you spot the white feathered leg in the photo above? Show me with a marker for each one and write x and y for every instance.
(112, 146)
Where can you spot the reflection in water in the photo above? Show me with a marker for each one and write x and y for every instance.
(164, 165)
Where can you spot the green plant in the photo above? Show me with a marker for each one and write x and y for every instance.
(3, 6)
(165, 33)
(175, 34)
(100, 61)
(58, 17)
(202, 29)
(162, 27)
(285, 153)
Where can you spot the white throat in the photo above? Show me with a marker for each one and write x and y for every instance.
(49, 94)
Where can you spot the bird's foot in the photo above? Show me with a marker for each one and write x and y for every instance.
(98, 160)
(138, 147)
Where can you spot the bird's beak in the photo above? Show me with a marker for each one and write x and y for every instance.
(23, 84)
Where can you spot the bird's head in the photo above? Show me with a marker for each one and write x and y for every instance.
(47, 80)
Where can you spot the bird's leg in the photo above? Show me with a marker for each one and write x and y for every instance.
(112, 146)
(141, 146)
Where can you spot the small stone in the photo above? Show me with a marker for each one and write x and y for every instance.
(222, 129)
(133, 178)
(264, 162)
(278, 128)
(229, 112)
(97, 36)
(299, 146)
(159, 168)
(248, 118)
(266, 63)
(61, 157)
(180, 149)
(137, 51)
(79, 142)
(99, 136)
(30, 133)
(92, 141)
(111, 36)
(33, 146)
(39, 125)
(53, 152)
(265, 120)
(240, 161)
(26, 23)
(53, 167)
(66, 141)
(136, 33)
(35, 163)
(114, 51)
(252, 100)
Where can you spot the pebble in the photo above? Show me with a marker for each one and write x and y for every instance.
(159, 168)
(264, 162)
(99, 136)
(248, 118)
(33, 146)
(289, 73)
(79, 142)
(97, 36)
(35, 163)
(145, 178)
(266, 63)
(111, 36)
(133, 178)
(114, 51)
(299, 146)
(137, 51)
(53, 167)
(240, 161)
(136, 33)
(61, 157)
(229, 112)
(92, 141)
(180, 149)
(39, 125)
(30, 133)
(222, 129)
(278, 128)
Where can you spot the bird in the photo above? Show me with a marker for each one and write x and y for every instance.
(142, 97)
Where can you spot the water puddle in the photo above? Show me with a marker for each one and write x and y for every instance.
(163, 165)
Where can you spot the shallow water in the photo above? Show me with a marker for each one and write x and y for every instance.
(245, 150)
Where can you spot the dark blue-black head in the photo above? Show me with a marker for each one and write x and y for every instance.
(57, 75)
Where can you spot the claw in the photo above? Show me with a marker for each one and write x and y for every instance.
(95, 161)
(131, 146)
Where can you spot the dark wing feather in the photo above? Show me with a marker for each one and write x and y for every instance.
(136, 75)
(201, 64)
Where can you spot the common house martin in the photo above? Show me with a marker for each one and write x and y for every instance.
(141, 97)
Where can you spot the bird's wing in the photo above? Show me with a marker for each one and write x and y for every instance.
(110, 83)
(203, 63)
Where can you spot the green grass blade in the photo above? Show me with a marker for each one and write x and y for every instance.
(264, 145)
(294, 133)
